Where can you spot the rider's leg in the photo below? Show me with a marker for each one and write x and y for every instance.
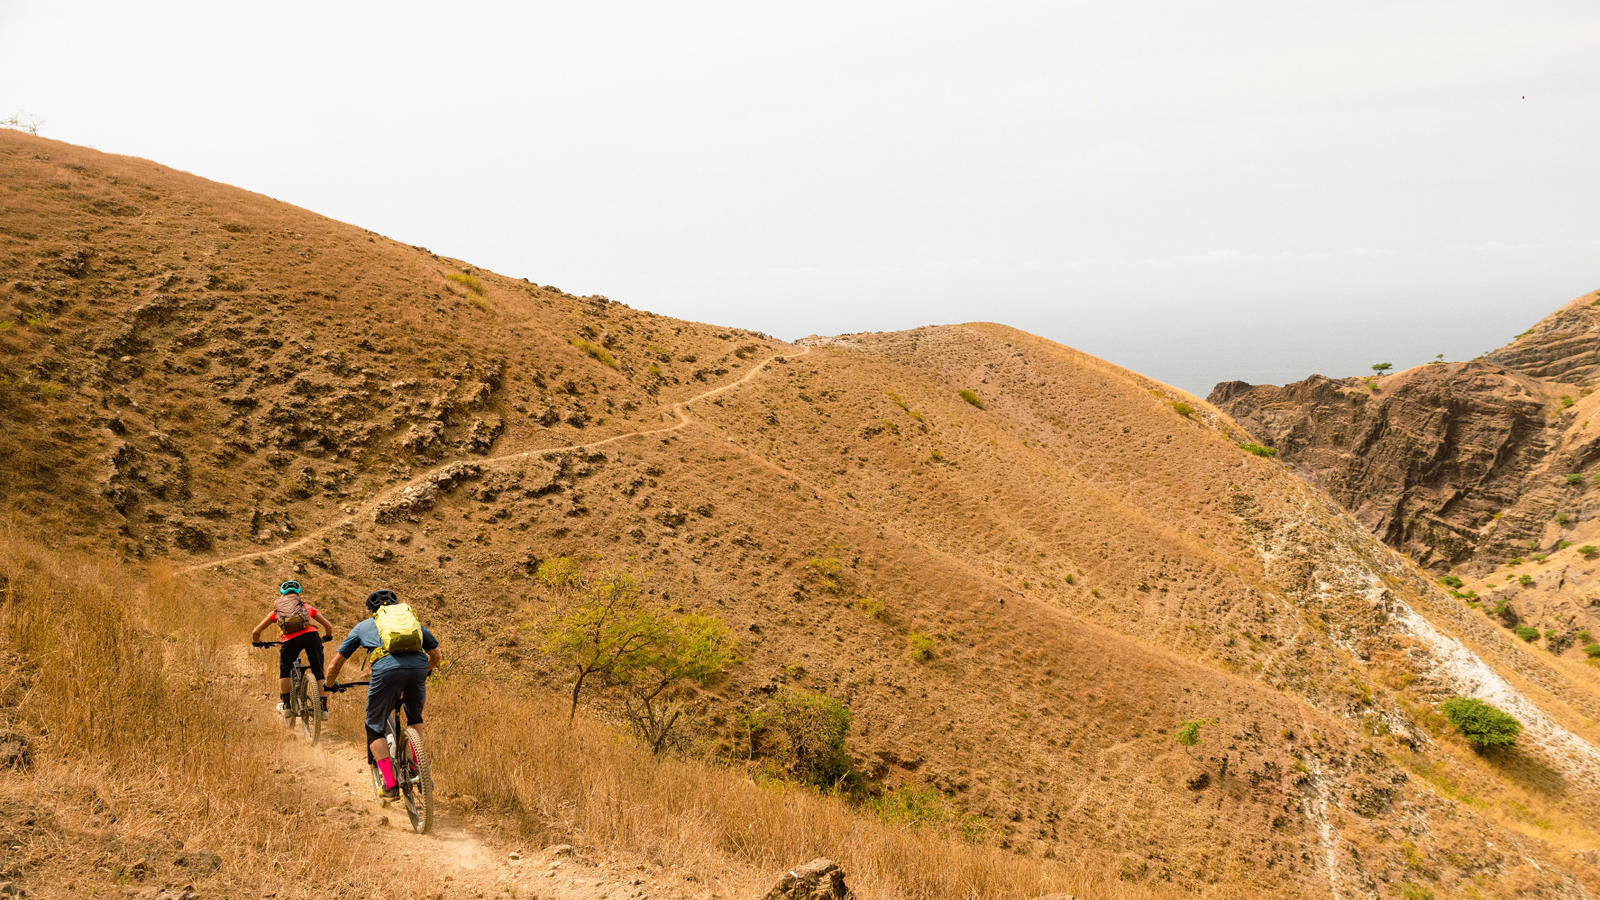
(315, 662)
(382, 694)
(286, 655)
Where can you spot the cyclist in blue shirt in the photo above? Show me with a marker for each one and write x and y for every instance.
(397, 678)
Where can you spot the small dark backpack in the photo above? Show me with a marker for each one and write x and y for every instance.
(292, 614)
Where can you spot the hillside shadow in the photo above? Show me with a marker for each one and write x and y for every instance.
(1526, 771)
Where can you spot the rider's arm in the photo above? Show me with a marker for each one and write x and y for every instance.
(322, 623)
(434, 658)
(256, 635)
(334, 666)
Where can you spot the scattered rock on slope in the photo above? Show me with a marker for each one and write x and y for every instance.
(820, 879)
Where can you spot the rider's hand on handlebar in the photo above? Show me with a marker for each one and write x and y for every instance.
(327, 638)
(258, 643)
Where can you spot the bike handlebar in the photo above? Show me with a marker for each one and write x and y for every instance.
(326, 639)
(345, 685)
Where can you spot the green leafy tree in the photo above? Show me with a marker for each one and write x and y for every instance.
(614, 638)
(1381, 368)
(1482, 725)
(603, 633)
(683, 648)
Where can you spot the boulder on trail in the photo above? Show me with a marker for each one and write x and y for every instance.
(820, 879)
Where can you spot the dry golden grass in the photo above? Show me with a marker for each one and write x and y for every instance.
(140, 744)
(133, 680)
(514, 757)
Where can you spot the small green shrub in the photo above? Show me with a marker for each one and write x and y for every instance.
(600, 354)
(935, 456)
(1515, 561)
(824, 571)
(1574, 479)
(1189, 732)
(655, 371)
(467, 281)
(1182, 409)
(1381, 368)
(874, 607)
(1525, 580)
(296, 488)
(1539, 557)
(37, 320)
(560, 573)
(1482, 725)
(970, 397)
(897, 400)
(920, 646)
(1410, 890)
(1589, 550)
(1566, 402)
(911, 804)
(1592, 651)
(1562, 518)
(1527, 633)
(1562, 545)
(1583, 635)
(1258, 450)
(815, 726)
(1450, 581)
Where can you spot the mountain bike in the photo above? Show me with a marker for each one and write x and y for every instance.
(305, 698)
(410, 765)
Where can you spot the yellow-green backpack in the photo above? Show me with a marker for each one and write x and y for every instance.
(398, 630)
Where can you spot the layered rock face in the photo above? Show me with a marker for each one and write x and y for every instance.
(1426, 461)
(1449, 462)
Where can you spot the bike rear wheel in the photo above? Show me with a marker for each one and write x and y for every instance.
(416, 782)
(309, 699)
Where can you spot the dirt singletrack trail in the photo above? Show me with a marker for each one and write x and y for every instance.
(679, 411)
(456, 860)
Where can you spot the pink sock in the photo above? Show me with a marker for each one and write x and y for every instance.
(386, 766)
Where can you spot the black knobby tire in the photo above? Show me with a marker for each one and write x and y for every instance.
(416, 782)
(310, 700)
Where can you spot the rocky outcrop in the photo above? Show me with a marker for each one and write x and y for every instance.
(1451, 462)
(820, 879)
(1565, 346)
(1426, 459)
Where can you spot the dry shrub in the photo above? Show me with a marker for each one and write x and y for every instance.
(511, 756)
(115, 677)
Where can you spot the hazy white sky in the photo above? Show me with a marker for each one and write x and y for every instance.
(1198, 191)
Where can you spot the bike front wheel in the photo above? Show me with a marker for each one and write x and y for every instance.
(416, 782)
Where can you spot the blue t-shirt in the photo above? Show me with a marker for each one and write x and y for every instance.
(365, 634)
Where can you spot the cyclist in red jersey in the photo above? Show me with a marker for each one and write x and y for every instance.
(309, 640)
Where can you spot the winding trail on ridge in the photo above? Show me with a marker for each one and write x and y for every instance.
(679, 411)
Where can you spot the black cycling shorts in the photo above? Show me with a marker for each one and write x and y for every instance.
(395, 686)
(311, 643)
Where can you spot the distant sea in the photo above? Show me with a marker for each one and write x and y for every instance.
(1196, 355)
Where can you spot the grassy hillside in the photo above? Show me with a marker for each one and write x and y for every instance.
(1088, 558)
